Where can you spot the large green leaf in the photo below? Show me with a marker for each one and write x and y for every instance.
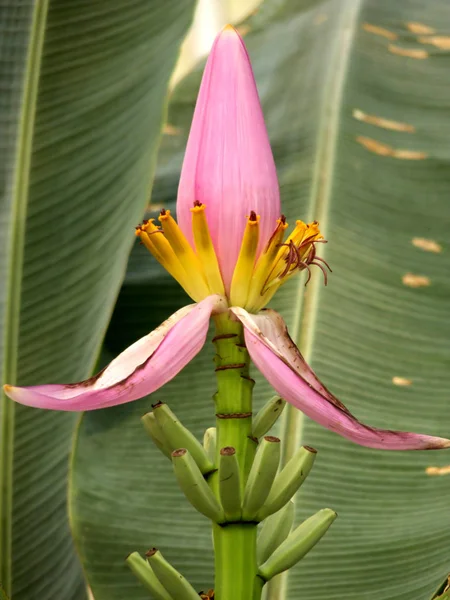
(83, 98)
(355, 96)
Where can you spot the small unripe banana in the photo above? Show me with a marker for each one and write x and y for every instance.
(274, 531)
(261, 476)
(146, 576)
(178, 436)
(209, 443)
(267, 416)
(297, 544)
(288, 481)
(230, 484)
(177, 586)
(155, 432)
(194, 486)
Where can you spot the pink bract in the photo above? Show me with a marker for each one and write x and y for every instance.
(228, 165)
(141, 369)
(281, 363)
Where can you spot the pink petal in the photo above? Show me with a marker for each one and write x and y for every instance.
(280, 361)
(228, 164)
(141, 369)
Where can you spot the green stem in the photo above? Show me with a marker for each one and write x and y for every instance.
(235, 556)
(234, 543)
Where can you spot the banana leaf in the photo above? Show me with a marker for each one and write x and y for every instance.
(84, 87)
(356, 102)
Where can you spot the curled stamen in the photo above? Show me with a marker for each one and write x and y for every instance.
(325, 263)
(306, 266)
(322, 268)
(292, 258)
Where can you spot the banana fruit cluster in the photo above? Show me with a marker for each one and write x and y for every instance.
(265, 496)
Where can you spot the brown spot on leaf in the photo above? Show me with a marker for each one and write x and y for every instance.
(438, 470)
(415, 281)
(419, 28)
(439, 41)
(390, 35)
(243, 29)
(417, 53)
(401, 381)
(320, 18)
(382, 122)
(427, 245)
(171, 130)
(385, 150)
(409, 154)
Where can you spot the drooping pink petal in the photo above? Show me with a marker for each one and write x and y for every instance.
(280, 361)
(141, 369)
(228, 165)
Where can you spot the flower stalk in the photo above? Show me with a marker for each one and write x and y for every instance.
(234, 541)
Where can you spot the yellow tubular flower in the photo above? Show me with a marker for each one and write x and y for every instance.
(154, 240)
(254, 280)
(242, 276)
(265, 264)
(205, 249)
(185, 254)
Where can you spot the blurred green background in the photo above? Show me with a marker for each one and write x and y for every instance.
(96, 103)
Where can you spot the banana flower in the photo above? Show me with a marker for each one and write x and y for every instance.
(230, 252)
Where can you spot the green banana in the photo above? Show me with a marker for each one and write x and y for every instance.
(146, 576)
(267, 416)
(229, 484)
(274, 531)
(261, 476)
(194, 486)
(209, 443)
(155, 432)
(298, 543)
(177, 586)
(288, 481)
(178, 436)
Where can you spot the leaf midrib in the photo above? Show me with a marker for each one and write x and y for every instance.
(19, 206)
(303, 329)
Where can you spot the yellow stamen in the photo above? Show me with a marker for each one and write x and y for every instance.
(205, 249)
(285, 263)
(185, 254)
(298, 237)
(295, 237)
(265, 264)
(242, 276)
(154, 240)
